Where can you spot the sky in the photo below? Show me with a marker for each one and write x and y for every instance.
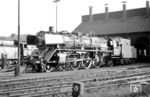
(37, 15)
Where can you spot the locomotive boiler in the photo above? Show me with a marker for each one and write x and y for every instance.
(65, 51)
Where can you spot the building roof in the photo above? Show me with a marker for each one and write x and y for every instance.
(136, 21)
(6, 38)
(23, 38)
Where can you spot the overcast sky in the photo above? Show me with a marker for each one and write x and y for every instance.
(38, 15)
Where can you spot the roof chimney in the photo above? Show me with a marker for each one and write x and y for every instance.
(106, 12)
(124, 15)
(50, 29)
(147, 9)
(90, 14)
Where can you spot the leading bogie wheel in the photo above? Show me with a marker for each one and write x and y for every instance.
(37, 68)
(63, 67)
(48, 68)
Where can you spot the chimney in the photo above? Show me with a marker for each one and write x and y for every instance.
(124, 15)
(90, 14)
(50, 29)
(106, 12)
(147, 9)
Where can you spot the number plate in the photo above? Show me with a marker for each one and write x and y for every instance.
(135, 88)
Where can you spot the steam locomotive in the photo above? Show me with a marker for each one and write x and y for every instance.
(9, 48)
(65, 51)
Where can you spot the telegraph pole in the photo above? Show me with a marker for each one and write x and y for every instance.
(17, 68)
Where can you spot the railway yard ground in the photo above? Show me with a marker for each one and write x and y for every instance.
(118, 81)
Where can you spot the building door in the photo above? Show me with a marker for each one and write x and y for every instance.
(143, 47)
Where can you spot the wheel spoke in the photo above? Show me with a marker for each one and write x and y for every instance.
(87, 63)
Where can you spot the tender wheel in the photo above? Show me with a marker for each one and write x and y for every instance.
(121, 62)
(48, 68)
(9, 62)
(110, 63)
(132, 61)
(75, 65)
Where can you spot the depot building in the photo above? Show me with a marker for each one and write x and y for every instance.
(133, 24)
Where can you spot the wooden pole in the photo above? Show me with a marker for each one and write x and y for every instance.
(17, 69)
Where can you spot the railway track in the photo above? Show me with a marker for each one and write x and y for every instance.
(61, 86)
